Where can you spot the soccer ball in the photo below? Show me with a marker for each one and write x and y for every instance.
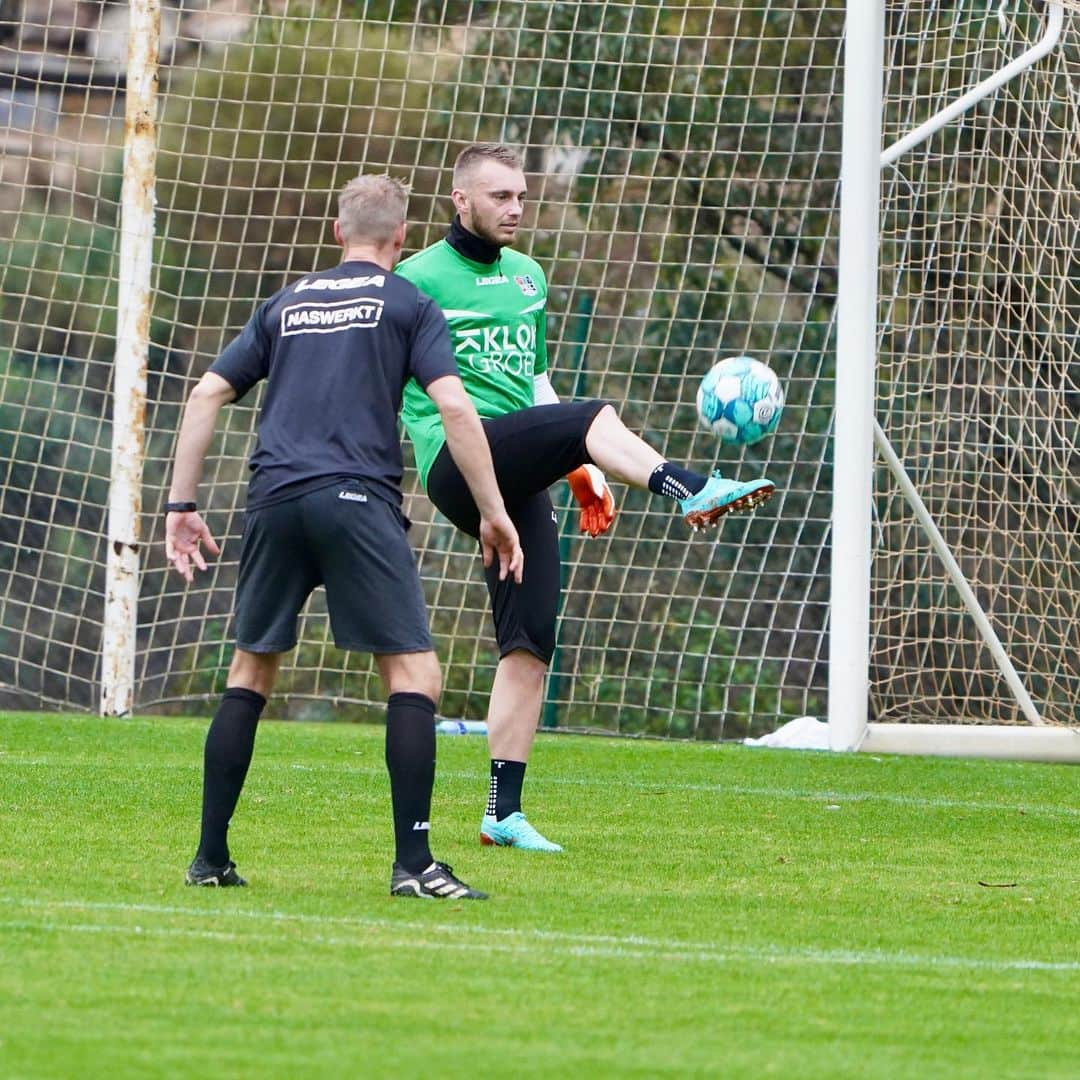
(740, 400)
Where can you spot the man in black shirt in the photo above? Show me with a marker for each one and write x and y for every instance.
(324, 507)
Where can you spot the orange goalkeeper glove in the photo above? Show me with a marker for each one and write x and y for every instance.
(594, 497)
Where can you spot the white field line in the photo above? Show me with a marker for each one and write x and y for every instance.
(888, 798)
(542, 944)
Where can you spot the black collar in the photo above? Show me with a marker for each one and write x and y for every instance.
(473, 247)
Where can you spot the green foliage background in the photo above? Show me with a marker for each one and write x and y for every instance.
(685, 160)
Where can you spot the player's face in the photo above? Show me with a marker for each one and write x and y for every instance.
(492, 203)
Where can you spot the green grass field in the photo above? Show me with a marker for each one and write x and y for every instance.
(718, 911)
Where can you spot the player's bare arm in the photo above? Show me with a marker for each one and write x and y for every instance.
(185, 531)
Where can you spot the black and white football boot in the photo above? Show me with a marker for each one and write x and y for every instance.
(437, 882)
(200, 872)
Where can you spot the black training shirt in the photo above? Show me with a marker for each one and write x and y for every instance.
(336, 349)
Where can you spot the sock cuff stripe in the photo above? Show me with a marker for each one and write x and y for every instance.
(410, 697)
(244, 694)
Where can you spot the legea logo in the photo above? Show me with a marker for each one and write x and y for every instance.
(335, 284)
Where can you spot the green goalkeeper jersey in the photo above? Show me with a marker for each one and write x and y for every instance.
(497, 327)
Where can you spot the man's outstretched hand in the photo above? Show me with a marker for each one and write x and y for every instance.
(499, 537)
(184, 532)
(594, 497)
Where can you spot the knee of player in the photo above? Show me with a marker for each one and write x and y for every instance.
(253, 671)
(417, 673)
(435, 687)
(426, 675)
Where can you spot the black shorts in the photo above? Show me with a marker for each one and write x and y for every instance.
(344, 537)
(531, 450)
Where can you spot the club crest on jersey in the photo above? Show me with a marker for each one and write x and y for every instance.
(526, 284)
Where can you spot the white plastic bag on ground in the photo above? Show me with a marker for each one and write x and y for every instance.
(803, 733)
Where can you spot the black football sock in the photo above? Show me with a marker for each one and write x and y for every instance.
(675, 482)
(230, 743)
(410, 760)
(504, 794)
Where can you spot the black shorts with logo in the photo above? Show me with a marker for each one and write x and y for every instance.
(343, 536)
(531, 449)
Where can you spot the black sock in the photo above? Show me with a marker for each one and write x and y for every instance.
(226, 757)
(410, 760)
(504, 795)
(675, 482)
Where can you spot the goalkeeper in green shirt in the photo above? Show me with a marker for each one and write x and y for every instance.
(494, 300)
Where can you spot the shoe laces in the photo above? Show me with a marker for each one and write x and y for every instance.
(525, 826)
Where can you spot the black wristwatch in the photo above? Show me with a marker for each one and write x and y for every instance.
(180, 507)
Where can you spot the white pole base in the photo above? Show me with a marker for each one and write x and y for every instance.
(1002, 741)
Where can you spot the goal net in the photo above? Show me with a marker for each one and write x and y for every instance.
(683, 161)
(978, 373)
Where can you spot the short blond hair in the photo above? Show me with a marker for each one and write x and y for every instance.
(372, 208)
(472, 156)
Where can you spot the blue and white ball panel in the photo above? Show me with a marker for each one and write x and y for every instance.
(740, 400)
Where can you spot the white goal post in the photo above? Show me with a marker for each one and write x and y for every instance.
(858, 433)
(133, 303)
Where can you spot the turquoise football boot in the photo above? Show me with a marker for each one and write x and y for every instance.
(719, 497)
(514, 831)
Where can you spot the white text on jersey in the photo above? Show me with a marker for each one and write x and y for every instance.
(312, 318)
(497, 348)
(491, 339)
(334, 284)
